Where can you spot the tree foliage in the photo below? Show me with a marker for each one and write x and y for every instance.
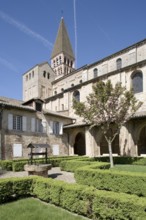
(108, 107)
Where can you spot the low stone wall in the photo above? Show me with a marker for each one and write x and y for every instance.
(39, 170)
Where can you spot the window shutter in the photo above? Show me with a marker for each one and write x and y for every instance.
(44, 125)
(10, 121)
(50, 126)
(33, 124)
(60, 128)
(24, 123)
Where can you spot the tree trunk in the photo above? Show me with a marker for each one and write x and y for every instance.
(110, 154)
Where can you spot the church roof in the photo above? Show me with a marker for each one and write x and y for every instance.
(62, 43)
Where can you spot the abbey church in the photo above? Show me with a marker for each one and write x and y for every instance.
(46, 115)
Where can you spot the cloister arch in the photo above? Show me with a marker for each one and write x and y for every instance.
(79, 145)
(142, 141)
(104, 146)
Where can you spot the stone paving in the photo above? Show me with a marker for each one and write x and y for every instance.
(54, 173)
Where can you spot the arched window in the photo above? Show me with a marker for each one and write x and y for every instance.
(119, 63)
(44, 74)
(95, 72)
(137, 81)
(76, 95)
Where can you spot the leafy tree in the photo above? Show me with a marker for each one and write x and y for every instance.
(108, 107)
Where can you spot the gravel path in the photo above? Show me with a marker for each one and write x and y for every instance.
(54, 173)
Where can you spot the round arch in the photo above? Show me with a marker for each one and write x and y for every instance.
(142, 141)
(137, 81)
(104, 146)
(79, 145)
(76, 95)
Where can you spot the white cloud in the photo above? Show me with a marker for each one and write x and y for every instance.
(9, 65)
(25, 29)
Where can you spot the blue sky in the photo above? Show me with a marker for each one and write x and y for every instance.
(28, 30)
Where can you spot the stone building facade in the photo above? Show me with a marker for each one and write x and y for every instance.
(57, 84)
(23, 123)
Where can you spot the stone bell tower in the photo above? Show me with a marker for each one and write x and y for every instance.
(62, 58)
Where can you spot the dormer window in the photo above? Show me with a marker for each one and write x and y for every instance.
(38, 106)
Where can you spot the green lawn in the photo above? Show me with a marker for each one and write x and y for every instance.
(130, 168)
(33, 209)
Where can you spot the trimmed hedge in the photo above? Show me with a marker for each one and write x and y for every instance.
(112, 180)
(76, 198)
(90, 202)
(72, 165)
(6, 164)
(13, 188)
(18, 165)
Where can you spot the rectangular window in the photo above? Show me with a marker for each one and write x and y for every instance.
(17, 122)
(56, 127)
(39, 127)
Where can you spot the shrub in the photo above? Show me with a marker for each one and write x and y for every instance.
(76, 198)
(15, 187)
(22, 187)
(127, 182)
(6, 164)
(6, 190)
(141, 161)
(90, 202)
(119, 159)
(72, 165)
(110, 205)
(19, 166)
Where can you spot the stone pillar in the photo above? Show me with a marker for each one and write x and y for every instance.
(89, 140)
(127, 146)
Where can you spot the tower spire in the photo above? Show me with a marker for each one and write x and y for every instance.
(62, 58)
